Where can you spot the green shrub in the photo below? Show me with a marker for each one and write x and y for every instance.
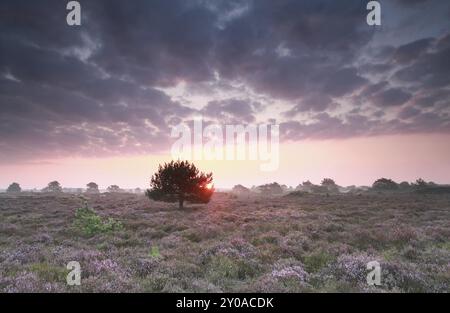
(154, 252)
(316, 261)
(49, 272)
(90, 223)
(223, 267)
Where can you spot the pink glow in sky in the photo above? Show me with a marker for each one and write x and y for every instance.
(357, 161)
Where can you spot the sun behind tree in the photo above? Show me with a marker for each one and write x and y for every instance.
(180, 181)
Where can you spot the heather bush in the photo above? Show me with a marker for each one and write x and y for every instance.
(398, 276)
(351, 268)
(270, 244)
(286, 275)
(235, 248)
(290, 268)
(221, 268)
(144, 266)
(155, 282)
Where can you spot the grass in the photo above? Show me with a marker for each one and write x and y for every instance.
(48, 272)
(304, 243)
(316, 261)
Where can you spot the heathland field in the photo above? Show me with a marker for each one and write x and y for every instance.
(297, 243)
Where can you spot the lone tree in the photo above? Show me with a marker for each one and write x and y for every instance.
(306, 186)
(53, 186)
(271, 189)
(180, 181)
(239, 189)
(385, 184)
(114, 188)
(328, 182)
(14, 188)
(420, 184)
(404, 185)
(330, 185)
(92, 188)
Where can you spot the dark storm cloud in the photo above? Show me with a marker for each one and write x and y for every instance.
(429, 70)
(324, 124)
(310, 33)
(372, 89)
(411, 2)
(411, 51)
(153, 42)
(315, 103)
(391, 97)
(434, 98)
(96, 89)
(409, 112)
(343, 81)
(411, 121)
(231, 109)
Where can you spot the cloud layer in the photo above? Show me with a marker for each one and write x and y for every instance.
(116, 84)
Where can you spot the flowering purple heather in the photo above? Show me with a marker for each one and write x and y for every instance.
(283, 244)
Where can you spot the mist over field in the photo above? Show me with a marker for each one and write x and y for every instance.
(241, 241)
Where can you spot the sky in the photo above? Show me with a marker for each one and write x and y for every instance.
(98, 102)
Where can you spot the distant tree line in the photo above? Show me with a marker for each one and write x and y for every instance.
(420, 185)
(55, 188)
(329, 186)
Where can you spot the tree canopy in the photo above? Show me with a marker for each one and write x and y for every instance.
(385, 184)
(92, 188)
(14, 188)
(180, 181)
(53, 186)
